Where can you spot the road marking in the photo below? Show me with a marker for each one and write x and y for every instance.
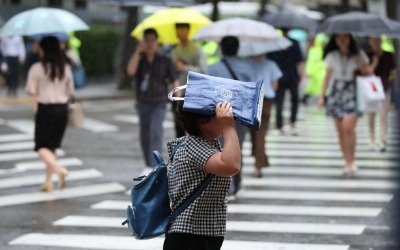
(319, 183)
(314, 146)
(22, 125)
(97, 126)
(134, 119)
(130, 243)
(269, 209)
(317, 196)
(38, 179)
(244, 226)
(15, 137)
(312, 139)
(321, 162)
(322, 154)
(16, 156)
(80, 191)
(321, 171)
(38, 165)
(14, 146)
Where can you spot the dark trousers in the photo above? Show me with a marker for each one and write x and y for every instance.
(12, 75)
(293, 88)
(185, 241)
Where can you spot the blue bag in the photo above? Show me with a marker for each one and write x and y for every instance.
(203, 92)
(79, 75)
(150, 214)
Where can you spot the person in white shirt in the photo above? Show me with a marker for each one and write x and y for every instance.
(343, 59)
(13, 50)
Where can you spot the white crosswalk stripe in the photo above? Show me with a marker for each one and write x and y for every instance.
(128, 243)
(302, 193)
(19, 155)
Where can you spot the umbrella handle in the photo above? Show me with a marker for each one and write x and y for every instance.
(176, 98)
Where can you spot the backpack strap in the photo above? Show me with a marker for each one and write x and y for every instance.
(230, 69)
(191, 198)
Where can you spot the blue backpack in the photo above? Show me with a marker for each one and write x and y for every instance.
(150, 214)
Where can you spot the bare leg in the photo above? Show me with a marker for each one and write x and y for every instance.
(49, 157)
(371, 126)
(348, 128)
(338, 125)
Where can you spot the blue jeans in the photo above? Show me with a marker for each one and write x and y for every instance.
(151, 117)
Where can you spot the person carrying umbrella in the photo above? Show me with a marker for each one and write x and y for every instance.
(154, 72)
(384, 65)
(187, 56)
(343, 59)
(291, 63)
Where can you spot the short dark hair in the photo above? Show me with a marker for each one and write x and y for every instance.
(229, 45)
(190, 121)
(150, 31)
(182, 25)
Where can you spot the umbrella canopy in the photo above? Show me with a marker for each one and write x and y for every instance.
(243, 28)
(258, 48)
(41, 21)
(290, 19)
(164, 22)
(127, 3)
(1, 21)
(361, 23)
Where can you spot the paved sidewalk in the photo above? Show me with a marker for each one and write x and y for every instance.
(89, 92)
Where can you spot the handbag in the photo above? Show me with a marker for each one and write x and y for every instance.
(369, 93)
(150, 214)
(204, 92)
(75, 113)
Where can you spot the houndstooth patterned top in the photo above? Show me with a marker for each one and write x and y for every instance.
(207, 214)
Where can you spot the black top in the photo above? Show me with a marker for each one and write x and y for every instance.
(161, 73)
(287, 61)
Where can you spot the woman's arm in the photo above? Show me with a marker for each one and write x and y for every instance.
(227, 162)
(324, 87)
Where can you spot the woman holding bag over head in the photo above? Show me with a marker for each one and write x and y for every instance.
(342, 59)
(50, 84)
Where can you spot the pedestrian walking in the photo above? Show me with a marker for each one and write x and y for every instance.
(187, 56)
(291, 63)
(50, 85)
(268, 71)
(203, 224)
(384, 66)
(13, 50)
(342, 59)
(232, 67)
(154, 74)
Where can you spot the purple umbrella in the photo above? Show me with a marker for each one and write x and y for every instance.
(127, 3)
(361, 23)
(290, 19)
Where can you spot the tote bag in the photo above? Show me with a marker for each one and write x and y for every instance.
(369, 94)
(75, 114)
(204, 92)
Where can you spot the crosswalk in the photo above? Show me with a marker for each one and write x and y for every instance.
(302, 202)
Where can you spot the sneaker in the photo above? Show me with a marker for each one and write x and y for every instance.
(372, 146)
(383, 147)
(231, 198)
(294, 131)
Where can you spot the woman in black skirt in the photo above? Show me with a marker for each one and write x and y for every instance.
(50, 84)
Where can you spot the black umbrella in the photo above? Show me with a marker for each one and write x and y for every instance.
(290, 19)
(361, 23)
(127, 3)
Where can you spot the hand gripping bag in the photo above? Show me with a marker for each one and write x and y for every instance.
(204, 92)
